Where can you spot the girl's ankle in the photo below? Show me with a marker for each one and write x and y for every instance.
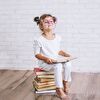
(60, 93)
(66, 86)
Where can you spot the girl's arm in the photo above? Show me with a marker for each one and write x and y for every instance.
(63, 53)
(44, 58)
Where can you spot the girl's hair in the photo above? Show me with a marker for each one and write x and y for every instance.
(42, 17)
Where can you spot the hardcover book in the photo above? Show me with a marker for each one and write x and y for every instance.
(40, 71)
(64, 59)
(43, 79)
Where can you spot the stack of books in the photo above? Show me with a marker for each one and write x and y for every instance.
(43, 81)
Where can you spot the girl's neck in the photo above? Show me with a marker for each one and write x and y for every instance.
(49, 35)
(48, 32)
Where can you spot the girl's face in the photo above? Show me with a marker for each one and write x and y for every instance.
(48, 24)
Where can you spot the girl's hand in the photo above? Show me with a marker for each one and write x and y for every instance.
(49, 60)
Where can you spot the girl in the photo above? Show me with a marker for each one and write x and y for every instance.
(47, 50)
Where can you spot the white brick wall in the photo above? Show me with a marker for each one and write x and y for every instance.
(78, 24)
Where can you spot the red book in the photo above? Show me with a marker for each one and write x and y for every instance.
(40, 71)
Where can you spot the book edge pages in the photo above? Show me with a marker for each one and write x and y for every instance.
(64, 60)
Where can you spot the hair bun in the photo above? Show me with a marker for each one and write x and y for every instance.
(36, 19)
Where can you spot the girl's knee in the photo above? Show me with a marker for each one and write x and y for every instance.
(68, 65)
(58, 66)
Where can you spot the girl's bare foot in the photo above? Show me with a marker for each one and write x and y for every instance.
(66, 86)
(61, 93)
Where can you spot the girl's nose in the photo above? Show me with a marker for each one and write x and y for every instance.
(49, 22)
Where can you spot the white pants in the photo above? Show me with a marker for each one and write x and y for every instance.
(59, 68)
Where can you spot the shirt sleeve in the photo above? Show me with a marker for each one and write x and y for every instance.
(37, 47)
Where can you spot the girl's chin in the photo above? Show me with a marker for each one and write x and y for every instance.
(50, 28)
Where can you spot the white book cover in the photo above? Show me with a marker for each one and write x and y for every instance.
(46, 91)
(64, 59)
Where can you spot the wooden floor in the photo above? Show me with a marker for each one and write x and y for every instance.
(17, 85)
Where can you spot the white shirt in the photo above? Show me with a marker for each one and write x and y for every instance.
(48, 48)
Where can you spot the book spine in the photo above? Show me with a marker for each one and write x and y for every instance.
(46, 88)
(45, 76)
(44, 83)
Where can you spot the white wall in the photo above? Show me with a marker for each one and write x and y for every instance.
(78, 24)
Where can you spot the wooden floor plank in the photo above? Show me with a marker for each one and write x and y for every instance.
(21, 91)
(11, 78)
(17, 85)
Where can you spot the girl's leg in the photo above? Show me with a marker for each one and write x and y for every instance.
(58, 75)
(67, 71)
(67, 75)
(58, 80)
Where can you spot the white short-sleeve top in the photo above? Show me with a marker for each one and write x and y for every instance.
(48, 48)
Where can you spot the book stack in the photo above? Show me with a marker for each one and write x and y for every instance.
(43, 81)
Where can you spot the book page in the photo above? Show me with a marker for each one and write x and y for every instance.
(64, 59)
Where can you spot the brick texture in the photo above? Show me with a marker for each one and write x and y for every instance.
(78, 24)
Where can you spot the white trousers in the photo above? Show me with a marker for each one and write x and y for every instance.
(59, 68)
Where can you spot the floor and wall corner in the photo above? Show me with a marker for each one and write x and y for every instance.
(79, 25)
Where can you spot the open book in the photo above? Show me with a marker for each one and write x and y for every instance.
(64, 59)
